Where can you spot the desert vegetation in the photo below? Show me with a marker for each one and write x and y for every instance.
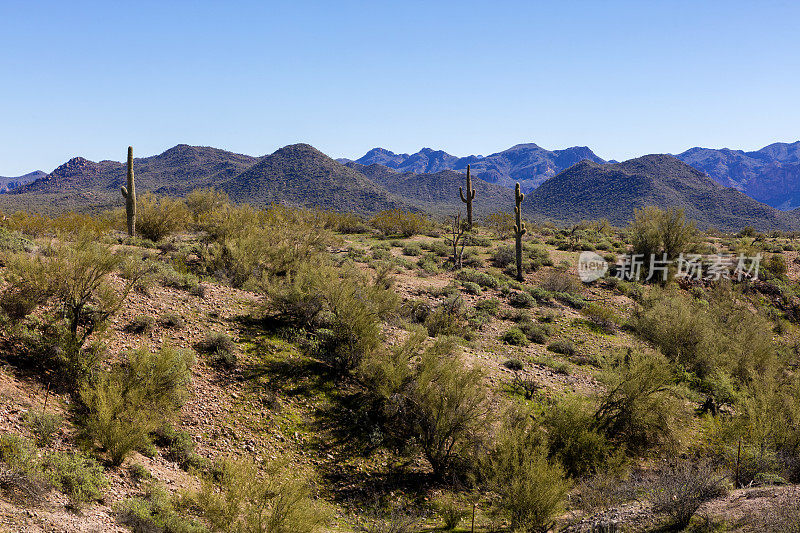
(232, 368)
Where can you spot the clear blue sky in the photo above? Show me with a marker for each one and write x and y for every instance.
(624, 78)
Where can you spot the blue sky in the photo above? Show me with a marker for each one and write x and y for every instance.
(624, 78)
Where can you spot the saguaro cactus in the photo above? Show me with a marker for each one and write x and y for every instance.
(129, 193)
(519, 229)
(468, 200)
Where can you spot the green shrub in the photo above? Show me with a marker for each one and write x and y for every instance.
(412, 249)
(503, 255)
(601, 317)
(71, 282)
(157, 218)
(490, 306)
(723, 336)
(132, 399)
(244, 500)
(202, 202)
(172, 321)
(515, 337)
(559, 281)
(641, 408)
(447, 318)
(439, 248)
(531, 489)
(471, 288)
(450, 511)
(180, 447)
(76, 475)
(157, 511)
(14, 241)
(429, 263)
(221, 347)
(44, 426)
(514, 364)
(562, 346)
(521, 299)
(573, 440)
(400, 222)
(534, 332)
(141, 324)
(481, 278)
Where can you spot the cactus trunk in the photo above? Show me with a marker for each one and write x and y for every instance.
(468, 199)
(129, 193)
(519, 229)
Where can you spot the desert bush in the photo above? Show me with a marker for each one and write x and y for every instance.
(471, 288)
(531, 489)
(202, 202)
(537, 333)
(721, 336)
(602, 317)
(562, 346)
(14, 242)
(71, 282)
(156, 511)
(489, 306)
(179, 447)
(501, 223)
(521, 299)
(412, 249)
(132, 399)
(503, 255)
(561, 282)
(249, 246)
(680, 490)
(572, 439)
(451, 512)
(776, 265)
(515, 337)
(398, 222)
(447, 318)
(141, 324)
(157, 218)
(44, 426)
(655, 231)
(245, 500)
(429, 398)
(221, 347)
(481, 278)
(76, 475)
(437, 247)
(396, 518)
(172, 321)
(32, 473)
(641, 408)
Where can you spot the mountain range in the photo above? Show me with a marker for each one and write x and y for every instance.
(528, 164)
(568, 185)
(6, 184)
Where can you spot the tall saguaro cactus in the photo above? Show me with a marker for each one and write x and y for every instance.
(129, 193)
(519, 229)
(468, 200)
